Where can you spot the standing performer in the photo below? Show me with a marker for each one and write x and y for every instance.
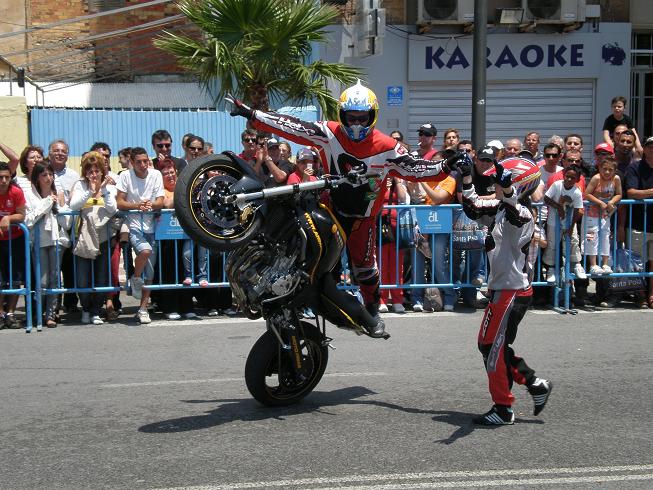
(511, 228)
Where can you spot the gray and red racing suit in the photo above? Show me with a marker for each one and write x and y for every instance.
(507, 246)
(355, 205)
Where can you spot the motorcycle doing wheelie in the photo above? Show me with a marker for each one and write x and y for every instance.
(283, 246)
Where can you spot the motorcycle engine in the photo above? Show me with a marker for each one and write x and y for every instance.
(260, 271)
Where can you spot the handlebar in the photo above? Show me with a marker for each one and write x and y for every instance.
(326, 182)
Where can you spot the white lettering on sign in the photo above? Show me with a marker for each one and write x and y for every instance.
(433, 216)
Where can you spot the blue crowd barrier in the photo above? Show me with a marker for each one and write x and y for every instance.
(439, 221)
(27, 277)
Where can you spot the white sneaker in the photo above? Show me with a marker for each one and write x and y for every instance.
(607, 269)
(398, 308)
(173, 316)
(137, 287)
(596, 270)
(86, 317)
(383, 308)
(418, 307)
(143, 317)
(550, 276)
(579, 272)
(213, 312)
(96, 320)
(190, 315)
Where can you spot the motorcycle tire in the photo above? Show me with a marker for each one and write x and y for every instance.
(267, 362)
(202, 215)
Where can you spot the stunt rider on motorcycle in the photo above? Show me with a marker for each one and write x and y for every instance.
(353, 144)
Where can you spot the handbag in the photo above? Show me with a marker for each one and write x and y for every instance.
(467, 234)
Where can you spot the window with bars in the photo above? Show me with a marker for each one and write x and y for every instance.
(641, 84)
(95, 6)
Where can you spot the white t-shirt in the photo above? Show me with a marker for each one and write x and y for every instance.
(64, 180)
(556, 191)
(546, 174)
(137, 190)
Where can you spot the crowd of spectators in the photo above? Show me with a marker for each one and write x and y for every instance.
(47, 193)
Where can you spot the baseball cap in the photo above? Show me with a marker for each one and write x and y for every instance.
(607, 147)
(305, 154)
(428, 129)
(273, 142)
(648, 141)
(486, 153)
(495, 144)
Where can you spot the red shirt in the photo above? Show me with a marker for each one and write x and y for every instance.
(296, 178)
(9, 203)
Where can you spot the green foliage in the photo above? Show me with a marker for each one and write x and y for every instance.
(260, 49)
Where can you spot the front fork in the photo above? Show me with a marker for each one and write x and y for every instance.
(285, 328)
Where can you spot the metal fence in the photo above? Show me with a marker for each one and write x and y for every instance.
(449, 269)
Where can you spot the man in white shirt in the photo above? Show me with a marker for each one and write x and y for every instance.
(141, 189)
(64, 180)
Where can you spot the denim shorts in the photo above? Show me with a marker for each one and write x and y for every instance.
(144, 241)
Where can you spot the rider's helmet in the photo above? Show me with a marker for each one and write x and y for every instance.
(358, 98)
(525, 173)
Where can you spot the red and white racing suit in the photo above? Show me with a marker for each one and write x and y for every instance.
(355, 205)
(507, 246)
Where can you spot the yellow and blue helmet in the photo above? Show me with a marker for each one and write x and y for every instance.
(358, 98)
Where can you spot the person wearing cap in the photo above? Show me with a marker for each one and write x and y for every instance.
(471, 265)
(303, 167)
(279, 168)
(498, 148)
(639, 185)
(601, 152)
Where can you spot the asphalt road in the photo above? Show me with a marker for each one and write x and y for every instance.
(165, 406)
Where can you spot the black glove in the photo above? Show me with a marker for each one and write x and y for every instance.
(355, 174)
(503, 177)
(239, 109)
(459, 161)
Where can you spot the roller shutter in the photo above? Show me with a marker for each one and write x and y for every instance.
(513, 109)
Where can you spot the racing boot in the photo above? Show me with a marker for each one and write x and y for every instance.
(374, 325)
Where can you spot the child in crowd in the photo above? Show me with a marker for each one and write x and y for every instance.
(618, 117)
(560, 195)
(604, 190)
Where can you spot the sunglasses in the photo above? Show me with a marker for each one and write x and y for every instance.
(422, 133)
(357, 119)
(163, 145)
(194, 148)
(572, 160)
(249, 140)
(551, 155)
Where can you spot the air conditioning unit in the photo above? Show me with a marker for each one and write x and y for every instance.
(445, 11)
(554, 11)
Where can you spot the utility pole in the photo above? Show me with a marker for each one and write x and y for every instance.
(479, 73)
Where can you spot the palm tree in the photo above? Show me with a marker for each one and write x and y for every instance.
(259, 50)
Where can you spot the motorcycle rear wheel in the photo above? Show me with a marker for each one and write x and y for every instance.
(200, 211)
(269, 375)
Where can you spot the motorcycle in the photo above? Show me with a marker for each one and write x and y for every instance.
(283, 245)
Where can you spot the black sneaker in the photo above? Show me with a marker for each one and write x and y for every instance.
(11, 322)
(540, 391)
(497, 415)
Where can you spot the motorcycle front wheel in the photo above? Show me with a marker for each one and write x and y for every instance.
(200, 208)
(269, 372)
